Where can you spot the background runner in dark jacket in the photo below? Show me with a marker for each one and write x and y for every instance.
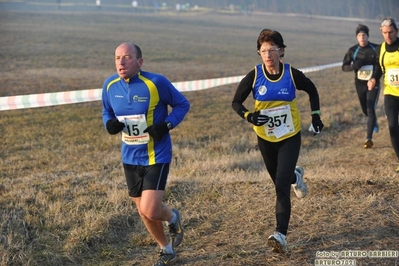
(361, 58)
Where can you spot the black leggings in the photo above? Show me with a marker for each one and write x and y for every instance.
(368, 101)
(280, 159)
(392, 111)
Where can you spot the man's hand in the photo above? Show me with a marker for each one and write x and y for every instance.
(371, 84)
(114, 126)
(158, 131)
(257, 119)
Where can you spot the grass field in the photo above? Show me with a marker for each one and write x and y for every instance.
(63, 199)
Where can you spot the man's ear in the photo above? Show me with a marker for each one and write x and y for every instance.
(141, 61)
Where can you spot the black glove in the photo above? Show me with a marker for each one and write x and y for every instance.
(317, 124)
(114, 126)
(356, 65)
(257, 119)
(158, 131)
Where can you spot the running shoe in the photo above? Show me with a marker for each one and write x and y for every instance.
(368, 144)
(165, 259)
(175, 230)
(277, 242)
(300, 188)
(376, 128)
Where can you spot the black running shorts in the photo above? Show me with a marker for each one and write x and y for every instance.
(151, 177)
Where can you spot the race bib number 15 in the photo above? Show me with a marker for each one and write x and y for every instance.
(133, 133)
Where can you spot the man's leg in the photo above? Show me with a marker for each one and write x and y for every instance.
(153, 213)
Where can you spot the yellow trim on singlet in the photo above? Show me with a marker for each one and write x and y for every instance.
(154, 99)
(388, 60)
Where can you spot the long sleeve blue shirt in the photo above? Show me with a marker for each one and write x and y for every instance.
(149, 95)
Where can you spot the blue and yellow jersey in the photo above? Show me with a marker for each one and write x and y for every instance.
(139, 102)
(275, 96)
(277, 99)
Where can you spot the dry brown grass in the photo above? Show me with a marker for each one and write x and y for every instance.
(63, 199)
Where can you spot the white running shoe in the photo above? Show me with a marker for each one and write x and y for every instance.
(300, 188)
(277, 242)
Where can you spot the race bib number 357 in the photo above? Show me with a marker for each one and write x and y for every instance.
(280, 123)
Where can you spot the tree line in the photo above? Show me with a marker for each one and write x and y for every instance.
(366, 9)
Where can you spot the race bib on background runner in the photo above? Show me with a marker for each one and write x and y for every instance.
(365, 72)
(393, 77)
(133, 133)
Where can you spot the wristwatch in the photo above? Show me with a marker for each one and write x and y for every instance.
(169, 125)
